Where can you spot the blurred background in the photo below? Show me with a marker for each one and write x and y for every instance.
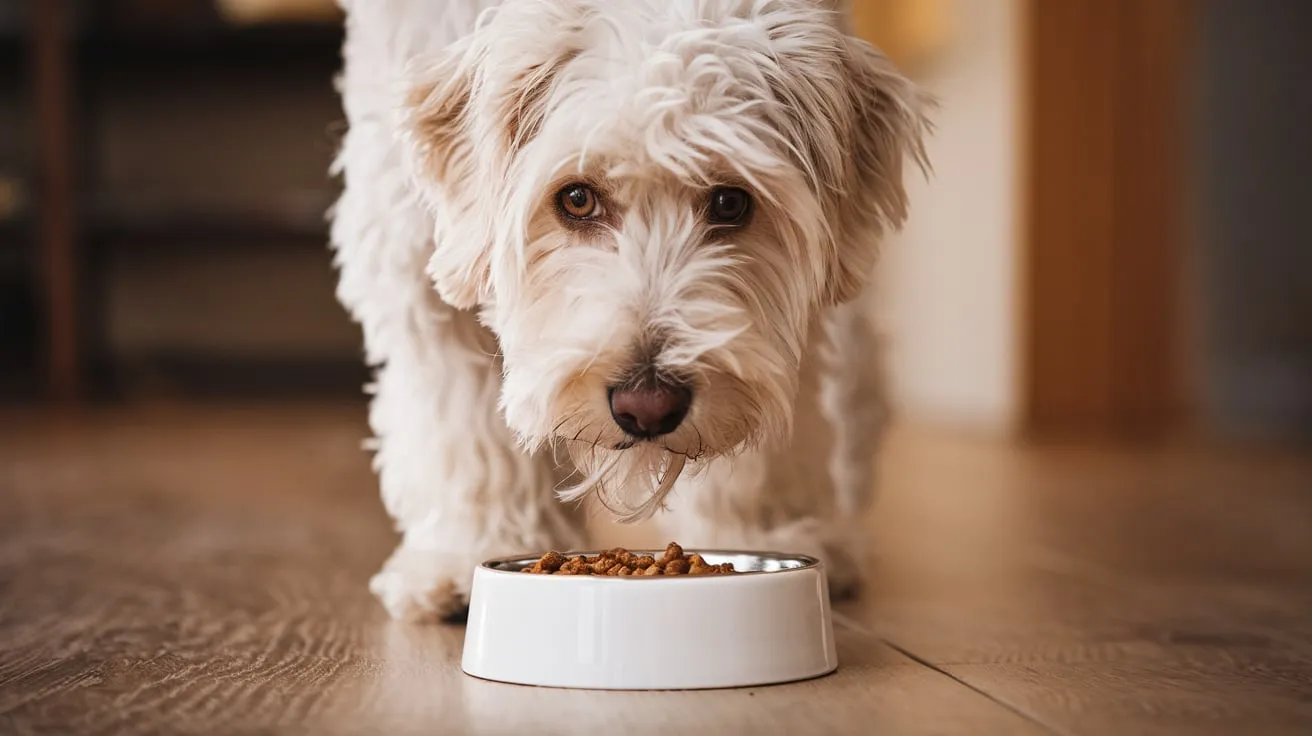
(1114, 239)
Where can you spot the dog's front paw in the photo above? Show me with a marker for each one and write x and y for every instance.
(424, 586)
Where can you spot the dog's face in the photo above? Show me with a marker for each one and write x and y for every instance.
(649, 202)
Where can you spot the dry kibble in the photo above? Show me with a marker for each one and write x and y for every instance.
(574, 566)
(620, 562)
(550, 562)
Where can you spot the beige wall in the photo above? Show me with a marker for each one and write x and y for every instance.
(949, 282)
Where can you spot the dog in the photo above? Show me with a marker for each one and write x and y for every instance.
(617, 249)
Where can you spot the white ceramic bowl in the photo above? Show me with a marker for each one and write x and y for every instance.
(768, 624)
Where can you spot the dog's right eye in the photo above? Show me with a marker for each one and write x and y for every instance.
(729, 206)
(578, 202)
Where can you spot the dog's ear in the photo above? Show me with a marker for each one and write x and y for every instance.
(465, 116)
(887, 127)
(444, 162)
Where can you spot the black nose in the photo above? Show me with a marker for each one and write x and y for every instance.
(649, 410)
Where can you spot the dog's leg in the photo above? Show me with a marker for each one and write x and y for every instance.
(812, 497)
(450, 472)
(451, 475)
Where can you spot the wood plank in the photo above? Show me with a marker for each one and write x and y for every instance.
(1200, 692)
(998, 553)
(1071, 225)
(52, 75)
(203, 570)
(1104, 320)
(1149, 315)
(206, 573)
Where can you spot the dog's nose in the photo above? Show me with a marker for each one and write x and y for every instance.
(650, 410)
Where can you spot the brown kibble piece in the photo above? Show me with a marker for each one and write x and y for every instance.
(574, 566)
(676, 567)
(550, 562)
(697, 566)
(652, 570)
(672, 552)
(625, 571)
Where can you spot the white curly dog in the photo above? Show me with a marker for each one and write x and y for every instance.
(617, 248)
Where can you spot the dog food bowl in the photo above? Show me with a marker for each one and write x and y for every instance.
(769, 623)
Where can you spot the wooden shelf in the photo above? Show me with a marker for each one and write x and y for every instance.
(236, 47)
(72, 49)
(255, 46)
(196, 375)
(20, 318)
(298, 218)
(200, 233)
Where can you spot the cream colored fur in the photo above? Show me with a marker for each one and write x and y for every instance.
(496, 326)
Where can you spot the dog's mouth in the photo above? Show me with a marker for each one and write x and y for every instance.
(628, 443)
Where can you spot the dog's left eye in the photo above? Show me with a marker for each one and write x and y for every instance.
(578, 202)
(729, 206)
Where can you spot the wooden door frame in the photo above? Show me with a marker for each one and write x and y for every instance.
(58, 262)
(1103, 256)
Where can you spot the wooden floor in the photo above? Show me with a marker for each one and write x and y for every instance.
(203, 572)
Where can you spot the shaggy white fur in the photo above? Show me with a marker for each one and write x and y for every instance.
(552, 206)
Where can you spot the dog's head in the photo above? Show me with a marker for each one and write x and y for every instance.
(649, 202)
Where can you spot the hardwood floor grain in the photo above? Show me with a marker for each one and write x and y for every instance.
(1203, 692)
(198, 570)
